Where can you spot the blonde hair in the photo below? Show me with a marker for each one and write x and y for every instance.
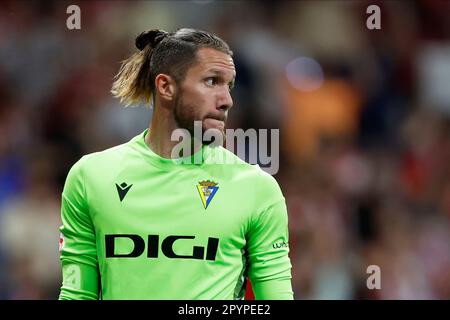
(131, 83)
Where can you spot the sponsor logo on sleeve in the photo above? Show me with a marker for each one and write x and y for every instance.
(279, 245)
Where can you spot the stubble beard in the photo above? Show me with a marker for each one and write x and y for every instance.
(185, 116)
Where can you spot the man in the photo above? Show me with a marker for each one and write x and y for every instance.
(138, 223)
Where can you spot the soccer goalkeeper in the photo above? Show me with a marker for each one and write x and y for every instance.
(138, 223)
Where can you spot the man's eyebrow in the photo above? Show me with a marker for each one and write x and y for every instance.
(218, 72)
(221, 73)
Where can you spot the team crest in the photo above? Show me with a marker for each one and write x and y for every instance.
(207, 190)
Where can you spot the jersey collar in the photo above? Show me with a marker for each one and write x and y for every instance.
(197, 159)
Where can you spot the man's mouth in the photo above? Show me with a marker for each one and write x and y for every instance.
(218, 118)
(215, 122)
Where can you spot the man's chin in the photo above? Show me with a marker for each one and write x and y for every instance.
(213, 136)
(214, 124)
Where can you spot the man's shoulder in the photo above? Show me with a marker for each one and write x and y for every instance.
(222, 156)
(112, 152)
(244, 169)
(261, 184)
(105, 158)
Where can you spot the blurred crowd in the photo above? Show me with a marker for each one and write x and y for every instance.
(364, 119)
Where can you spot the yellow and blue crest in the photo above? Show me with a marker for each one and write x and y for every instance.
(207, 190)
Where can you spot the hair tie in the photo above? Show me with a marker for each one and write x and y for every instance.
(152, 37)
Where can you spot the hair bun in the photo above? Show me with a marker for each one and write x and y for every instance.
(152, 37)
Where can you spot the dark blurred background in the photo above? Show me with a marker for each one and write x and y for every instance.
(363, 118)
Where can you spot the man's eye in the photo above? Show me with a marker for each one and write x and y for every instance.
(211, 81)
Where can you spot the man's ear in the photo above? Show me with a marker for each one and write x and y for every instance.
(165, 86)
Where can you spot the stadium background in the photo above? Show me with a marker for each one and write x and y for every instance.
(363, 118)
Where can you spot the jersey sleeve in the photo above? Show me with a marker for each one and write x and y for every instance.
(77, 244)
(269, 266)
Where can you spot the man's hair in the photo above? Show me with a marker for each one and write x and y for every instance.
(161, 52)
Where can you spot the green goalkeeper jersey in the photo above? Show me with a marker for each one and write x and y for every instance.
(139, 226)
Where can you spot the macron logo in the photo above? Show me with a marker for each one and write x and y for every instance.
(123, 189)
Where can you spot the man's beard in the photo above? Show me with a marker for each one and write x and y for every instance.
(184, 115)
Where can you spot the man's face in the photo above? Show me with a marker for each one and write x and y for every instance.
(204, 95)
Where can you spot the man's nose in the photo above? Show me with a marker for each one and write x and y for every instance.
(225, 100)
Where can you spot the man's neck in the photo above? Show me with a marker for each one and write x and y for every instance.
(159, 136)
